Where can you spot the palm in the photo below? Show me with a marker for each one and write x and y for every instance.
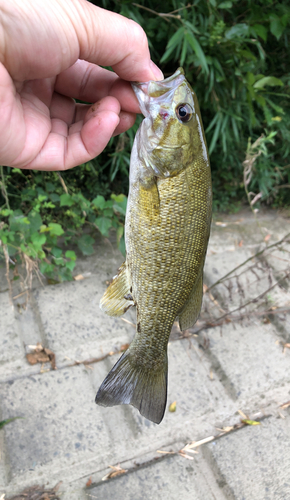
(51, 131)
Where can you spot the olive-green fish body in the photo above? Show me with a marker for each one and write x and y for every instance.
(167, 229)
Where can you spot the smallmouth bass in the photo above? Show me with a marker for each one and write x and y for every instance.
(166, 233)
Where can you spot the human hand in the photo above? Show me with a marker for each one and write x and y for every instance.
(49, 55)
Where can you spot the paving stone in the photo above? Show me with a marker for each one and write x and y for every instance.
(63, 434)
(255, 461)
(173, 477)
(10, 343)
(200, 402)
(74, 325)
(60, 424)
(248, 359)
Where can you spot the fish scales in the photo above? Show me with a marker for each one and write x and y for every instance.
(167, 229)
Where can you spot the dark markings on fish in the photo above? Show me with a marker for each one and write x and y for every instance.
(138, 327)
(126, 308)
(128, 296)
(131, 289)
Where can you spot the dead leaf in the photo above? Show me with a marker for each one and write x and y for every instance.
(117, 470)
(172, 407)
(285, 405)
(41, 354)
(124, 347)
(37, 493)
(242, 414)
(250, 422)
(222, 224)
(241, 243)
(51, 281)
(267, 237)
(89, 482)
(78, 277)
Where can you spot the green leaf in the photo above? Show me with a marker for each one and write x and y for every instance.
(276, 26)
(216, 133)
(56, 252)
(122, 246)
(198, 50)
(183, 52)
(70, 265)
(70, 254)
(268, 80)
(237, 31)
(55, 229)
(46, 268)
(38, 240)
(103, 224)
(120, 203)
(99, 202)
(35, 221)
(66, 200)
(42, 197)
(173, 43)
(18, 221)
(54, 197)
(49, 186)
(261, 31)
(5, 212)
(85, 243)
(108, 212)
(225, 5)
(8, 420)
(119, 233)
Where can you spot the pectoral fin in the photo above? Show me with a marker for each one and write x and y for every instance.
(190, 311)
(117, 298)
(149, 197)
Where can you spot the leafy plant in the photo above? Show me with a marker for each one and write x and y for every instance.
(49, 220)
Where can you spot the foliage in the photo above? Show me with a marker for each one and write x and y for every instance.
(236, 55)
(49, 219)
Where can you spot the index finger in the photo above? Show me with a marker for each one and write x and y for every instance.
(109, 39)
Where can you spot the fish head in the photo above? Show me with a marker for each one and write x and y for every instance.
(171, 135)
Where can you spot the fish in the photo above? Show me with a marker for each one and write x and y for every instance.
(167, 229)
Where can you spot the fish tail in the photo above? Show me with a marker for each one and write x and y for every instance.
(140, 386)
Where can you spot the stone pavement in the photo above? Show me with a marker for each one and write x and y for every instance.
(217, 377)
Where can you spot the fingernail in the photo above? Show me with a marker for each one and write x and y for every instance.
(156, 71)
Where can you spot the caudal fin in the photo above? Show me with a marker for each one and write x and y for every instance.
(128, 383)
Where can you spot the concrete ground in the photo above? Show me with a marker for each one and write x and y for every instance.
(224, 375)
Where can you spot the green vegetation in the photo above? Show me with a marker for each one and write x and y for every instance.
(236, 55)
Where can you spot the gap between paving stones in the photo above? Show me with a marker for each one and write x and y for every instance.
(125, 467)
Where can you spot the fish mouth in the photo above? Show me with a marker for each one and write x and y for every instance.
(167, 82)
(154, 91)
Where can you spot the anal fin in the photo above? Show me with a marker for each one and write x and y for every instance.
(117, 298)
(190, 312)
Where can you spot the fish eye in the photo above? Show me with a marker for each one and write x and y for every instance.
(184, 112)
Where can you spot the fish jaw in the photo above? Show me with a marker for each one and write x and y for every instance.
(151, 95)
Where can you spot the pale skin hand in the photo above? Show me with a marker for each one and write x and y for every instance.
(49, 55)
